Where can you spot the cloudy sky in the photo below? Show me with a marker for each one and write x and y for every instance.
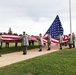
(35, 16)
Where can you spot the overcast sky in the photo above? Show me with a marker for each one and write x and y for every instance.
(35, 16)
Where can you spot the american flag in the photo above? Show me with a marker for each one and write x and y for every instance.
(55, 29)
(10, 37)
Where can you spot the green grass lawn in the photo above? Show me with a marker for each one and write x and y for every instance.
(12, 48)
(62, 62)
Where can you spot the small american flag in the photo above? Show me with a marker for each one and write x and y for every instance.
(55, 29)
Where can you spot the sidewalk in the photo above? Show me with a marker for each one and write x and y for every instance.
(10, 58)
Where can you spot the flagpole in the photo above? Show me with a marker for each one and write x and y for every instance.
(70, 16)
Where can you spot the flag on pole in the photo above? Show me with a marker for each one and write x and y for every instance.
(55, 29)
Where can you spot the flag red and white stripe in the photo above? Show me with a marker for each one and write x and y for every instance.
(16, 37)
(55, 41)
(33, 38)
(10, 37)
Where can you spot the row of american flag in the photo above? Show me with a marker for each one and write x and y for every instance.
(54, 30)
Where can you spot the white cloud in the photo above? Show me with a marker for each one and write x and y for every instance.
(35, 16)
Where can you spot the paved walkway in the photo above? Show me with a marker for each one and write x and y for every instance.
(10, 58)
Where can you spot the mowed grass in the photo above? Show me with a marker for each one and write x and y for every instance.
(12, 48)
(62, 62)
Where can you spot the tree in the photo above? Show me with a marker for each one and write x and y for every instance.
(9, 31)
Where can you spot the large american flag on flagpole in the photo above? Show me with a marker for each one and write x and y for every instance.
(54, 30)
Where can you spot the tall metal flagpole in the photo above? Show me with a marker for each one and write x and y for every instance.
(70, 17)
